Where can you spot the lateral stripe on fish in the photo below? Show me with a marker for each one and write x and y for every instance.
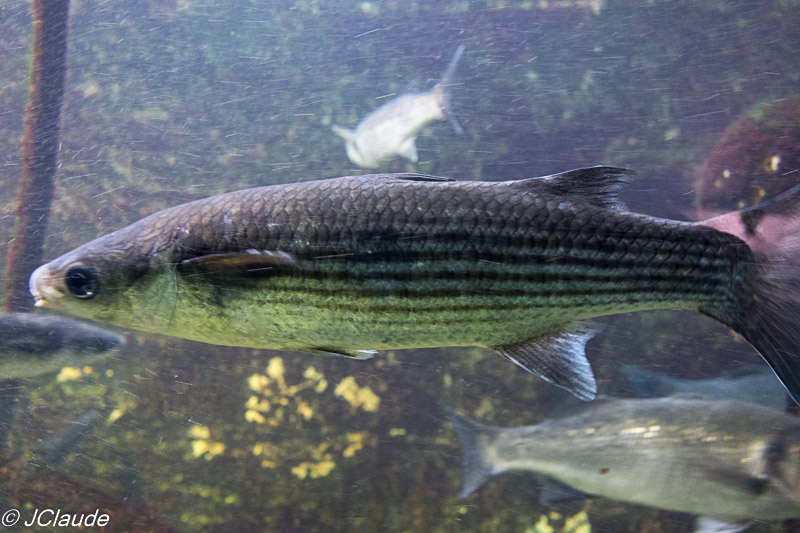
(545, 273)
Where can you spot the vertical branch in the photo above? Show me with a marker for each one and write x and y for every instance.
(39, 152)
(38, 159)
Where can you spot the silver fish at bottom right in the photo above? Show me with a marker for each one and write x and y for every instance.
(728, 462)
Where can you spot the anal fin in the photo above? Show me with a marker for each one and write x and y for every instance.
(560, 359)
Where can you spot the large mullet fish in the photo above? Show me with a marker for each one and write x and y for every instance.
(392, 261)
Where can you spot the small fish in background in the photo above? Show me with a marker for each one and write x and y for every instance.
(726, 461)
(748, 383)
(393, 261)
(69, 438)
(32, 344)
(391, 130)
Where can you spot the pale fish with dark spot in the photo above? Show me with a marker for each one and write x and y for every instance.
(729, 462)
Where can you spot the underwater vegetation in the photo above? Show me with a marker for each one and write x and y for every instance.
(272, 403)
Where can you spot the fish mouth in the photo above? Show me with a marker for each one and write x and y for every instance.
(40, 288)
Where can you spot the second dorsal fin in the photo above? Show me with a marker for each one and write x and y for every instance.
(598, 185)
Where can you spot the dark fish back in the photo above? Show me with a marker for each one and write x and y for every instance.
(471, 232)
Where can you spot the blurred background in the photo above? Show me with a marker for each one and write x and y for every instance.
(172, 100)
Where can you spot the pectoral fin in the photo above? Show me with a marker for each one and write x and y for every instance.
(249, 261)
(409, 150)
(707, 525)
(360, 355)
(560, 359)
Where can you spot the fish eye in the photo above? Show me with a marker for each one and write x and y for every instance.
(82, 282)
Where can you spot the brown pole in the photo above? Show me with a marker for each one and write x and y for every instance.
(39, 151)
(38, 159)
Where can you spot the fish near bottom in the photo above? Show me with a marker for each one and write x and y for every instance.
(726, 461)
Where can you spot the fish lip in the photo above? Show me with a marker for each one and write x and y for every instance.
(38, 286)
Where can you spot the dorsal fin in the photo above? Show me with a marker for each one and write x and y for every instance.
(594, 185)
(410, 176)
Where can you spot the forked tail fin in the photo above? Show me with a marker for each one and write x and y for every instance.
(769, 317)
(444, 86)
(474, 438)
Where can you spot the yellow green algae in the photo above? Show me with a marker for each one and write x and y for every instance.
(556, 523)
